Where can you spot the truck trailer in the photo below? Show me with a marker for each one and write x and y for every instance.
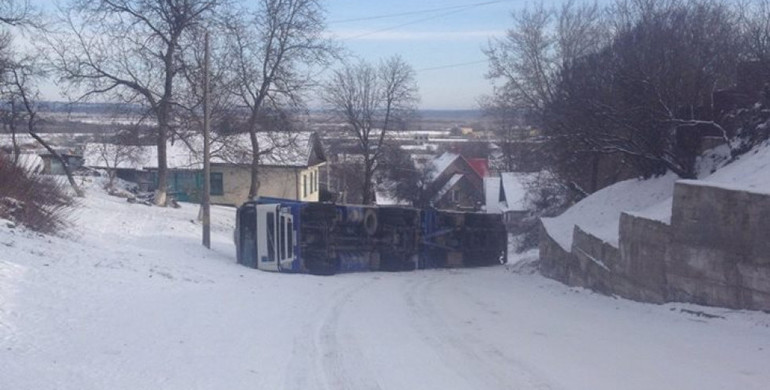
(283, 235)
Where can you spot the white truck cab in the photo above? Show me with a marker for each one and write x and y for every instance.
(276, 238)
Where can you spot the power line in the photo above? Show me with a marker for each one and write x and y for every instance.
(451, 65)
(425, 11)
(405, 24)
(452, 10)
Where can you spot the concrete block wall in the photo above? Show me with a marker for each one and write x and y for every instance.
(643, 245)
(597, 262)
(720, 247)
(554, 261)
(716, 251)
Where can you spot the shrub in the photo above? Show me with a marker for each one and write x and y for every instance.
(38, 202)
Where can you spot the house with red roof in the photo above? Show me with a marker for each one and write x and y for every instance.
(457, 183)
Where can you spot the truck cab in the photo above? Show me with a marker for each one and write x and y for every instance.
(276, 247)
(266, 238)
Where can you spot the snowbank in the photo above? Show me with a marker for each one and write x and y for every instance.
(599, 214)
(749, 172)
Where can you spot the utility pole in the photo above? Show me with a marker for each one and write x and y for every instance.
(206, 200)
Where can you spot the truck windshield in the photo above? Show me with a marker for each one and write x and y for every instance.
(270, 236)
(282, 239)
(290, 237)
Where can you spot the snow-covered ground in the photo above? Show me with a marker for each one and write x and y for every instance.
(132, 301)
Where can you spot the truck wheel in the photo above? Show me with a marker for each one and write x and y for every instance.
(370, 222)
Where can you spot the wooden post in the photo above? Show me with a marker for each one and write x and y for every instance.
(206, 199)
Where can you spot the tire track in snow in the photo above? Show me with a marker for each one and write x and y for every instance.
(339, 357)
(478, 361)
(322, 358)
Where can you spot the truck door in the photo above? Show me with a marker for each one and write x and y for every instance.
(287, 238)
(267, 237)
(246, 236)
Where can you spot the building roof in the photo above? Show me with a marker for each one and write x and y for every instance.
(480, 165)
(448, 170)
(449, 184)
(441, 163)
(515, 189)
(297, 149)
(514, 192)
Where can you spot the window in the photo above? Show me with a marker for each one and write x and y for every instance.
(312, 182)
(304, 186)
(270, 236)
(290, 238)
(217, 185)
(282, 240)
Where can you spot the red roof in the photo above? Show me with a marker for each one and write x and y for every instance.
(480, 165)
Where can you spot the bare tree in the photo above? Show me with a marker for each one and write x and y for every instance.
(23, 74)
(530, 61)
(129, 51)
(626, 101)
(404, 179)
(647, 94)
(10, 119)
(507, 121)
(15, 13)
(372, 101)
(531, 56)
(12, 13)
(755, 23)
(274, 49)
(116, 155)
(10, 110)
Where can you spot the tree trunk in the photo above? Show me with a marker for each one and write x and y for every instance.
(367, 183)
(161, 191)
(12, 125)
(16, 149)
(112, 173)
(31, 130)
(254, 185)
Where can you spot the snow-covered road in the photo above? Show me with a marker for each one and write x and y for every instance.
(135, 303)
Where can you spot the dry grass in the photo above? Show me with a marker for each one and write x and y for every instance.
(38, 202)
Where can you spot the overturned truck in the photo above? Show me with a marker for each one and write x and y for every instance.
(283, 235)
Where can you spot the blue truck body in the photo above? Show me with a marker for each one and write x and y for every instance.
(324, 238)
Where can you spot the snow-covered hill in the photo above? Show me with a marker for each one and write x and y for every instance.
(131, 300)
(599, 213)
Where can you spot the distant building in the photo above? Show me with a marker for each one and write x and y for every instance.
(289, 170)
(455, 185)
(30, 162)
(52, 166)
(480, 165)
(507, 195)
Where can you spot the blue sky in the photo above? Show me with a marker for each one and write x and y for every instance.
(432, 42)
(428, 34)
